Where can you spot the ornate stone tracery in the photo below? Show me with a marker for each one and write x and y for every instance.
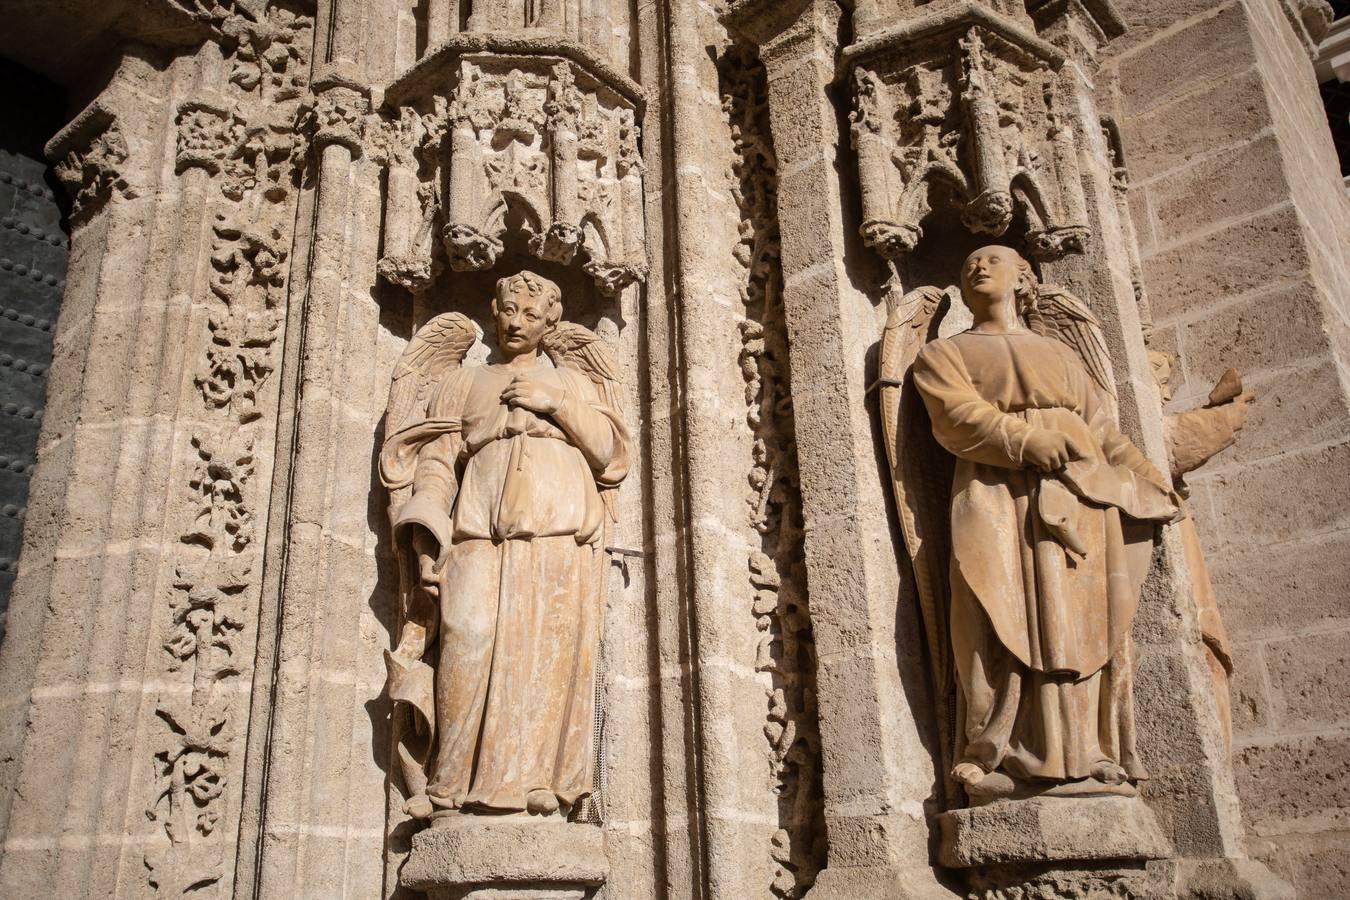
(531, 143)
(968, 118)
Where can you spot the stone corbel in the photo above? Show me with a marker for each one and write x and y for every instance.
(964, 98)
(88, 155)
(542, 138)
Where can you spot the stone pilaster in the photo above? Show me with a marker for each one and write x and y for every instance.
(878, 772)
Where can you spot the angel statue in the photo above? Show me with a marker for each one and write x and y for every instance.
(500, 479)
(1030, 520)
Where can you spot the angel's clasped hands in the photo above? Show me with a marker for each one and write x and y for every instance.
(539, 391)
(1051, 451)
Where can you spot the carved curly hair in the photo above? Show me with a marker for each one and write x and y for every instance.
(1028, 285)
(527, 282)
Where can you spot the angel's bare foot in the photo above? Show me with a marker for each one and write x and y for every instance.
(968, 774)
(541, 803)
(1108, 772)
(419, 807)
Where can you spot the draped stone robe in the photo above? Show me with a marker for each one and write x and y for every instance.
(1044, 583)
(514, 500)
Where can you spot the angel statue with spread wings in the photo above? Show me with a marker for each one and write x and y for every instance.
(500, 479)
(1030, 521)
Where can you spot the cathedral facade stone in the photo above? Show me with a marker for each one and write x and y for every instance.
(605, 449)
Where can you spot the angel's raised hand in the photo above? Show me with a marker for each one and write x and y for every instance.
(534, 391)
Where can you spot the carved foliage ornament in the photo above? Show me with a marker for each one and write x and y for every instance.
(91, 172)
(246, 142)
(785, 652)
(974, 123)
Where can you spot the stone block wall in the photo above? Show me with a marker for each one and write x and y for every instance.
(1240, 216)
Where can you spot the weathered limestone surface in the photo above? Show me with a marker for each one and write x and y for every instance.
(1244, 262)
(270, 199)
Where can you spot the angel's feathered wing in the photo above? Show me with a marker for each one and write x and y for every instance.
(576, 347)
(921, 478)
(1058, 314)
(437, 346)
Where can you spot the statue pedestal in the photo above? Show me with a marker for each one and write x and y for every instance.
(1057, 846)
(507, 858)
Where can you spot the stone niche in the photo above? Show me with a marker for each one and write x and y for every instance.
(504, 154)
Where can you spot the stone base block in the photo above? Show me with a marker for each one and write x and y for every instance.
(1047, 829)
(1080, 847)
(516, 858)
(1225, 879)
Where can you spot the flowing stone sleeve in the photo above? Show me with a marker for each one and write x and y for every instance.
(966, 424)
(437, 442)
(1124, 478)
(1118, 449)
(595, 428)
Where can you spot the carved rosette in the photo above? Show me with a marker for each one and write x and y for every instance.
(538, 150)
(970, 118)
(204, 137)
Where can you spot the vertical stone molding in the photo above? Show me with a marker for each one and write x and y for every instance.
(785, 650)
(874, 788)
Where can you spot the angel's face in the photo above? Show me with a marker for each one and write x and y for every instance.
(989, 275)
(522, 321)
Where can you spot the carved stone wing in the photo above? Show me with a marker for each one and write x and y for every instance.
(576, 347)
(1058, 314)
(437, 346)
(921, 478)
(920, 472)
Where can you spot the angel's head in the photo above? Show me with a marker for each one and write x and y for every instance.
(525, 307)
(995, 274)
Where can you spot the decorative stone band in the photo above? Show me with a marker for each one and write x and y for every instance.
(88, 155)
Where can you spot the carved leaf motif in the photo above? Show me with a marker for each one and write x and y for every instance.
(223, 518)
(785, 651)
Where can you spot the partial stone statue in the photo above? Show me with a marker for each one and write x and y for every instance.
(1193, 438)
(501, 481)
(1030, 520)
